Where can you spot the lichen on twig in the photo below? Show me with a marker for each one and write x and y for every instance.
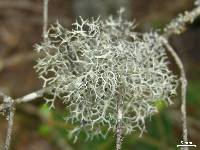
(10, 117)
(97, 62)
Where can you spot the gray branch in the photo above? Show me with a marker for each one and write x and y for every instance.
(119, 125)
(45, 19)
(27, 98)
(8, 101)
(179, 24)
(183, 80)
(10, 127)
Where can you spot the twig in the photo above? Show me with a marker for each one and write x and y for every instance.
(32, 96)
(178, 25)
(183, 80)
(119, 126)
(10, 127)
(8, 101)
(27, 98)
(45, 19)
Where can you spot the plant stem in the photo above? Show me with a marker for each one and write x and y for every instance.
(27, 98)
(119, 126)
(10, 118)
(183, 80)
(189, 18)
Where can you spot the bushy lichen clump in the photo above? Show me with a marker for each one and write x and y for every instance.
(98, 63)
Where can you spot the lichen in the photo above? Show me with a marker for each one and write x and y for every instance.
(96, 64)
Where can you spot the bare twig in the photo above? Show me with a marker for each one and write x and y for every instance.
(183, 80)
(45, 19)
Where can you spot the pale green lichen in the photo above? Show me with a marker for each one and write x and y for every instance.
(96, 64)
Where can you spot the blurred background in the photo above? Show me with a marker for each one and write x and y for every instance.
(37, 128)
